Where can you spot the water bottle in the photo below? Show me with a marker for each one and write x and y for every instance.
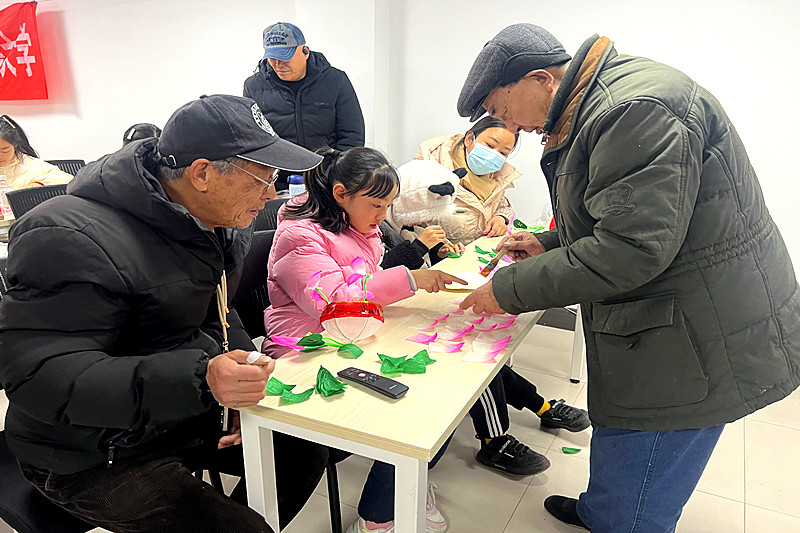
(296, 184)
(5, 207)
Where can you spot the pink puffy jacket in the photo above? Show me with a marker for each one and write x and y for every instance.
(302, 248)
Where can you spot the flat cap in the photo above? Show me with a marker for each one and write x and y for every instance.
(512, 53)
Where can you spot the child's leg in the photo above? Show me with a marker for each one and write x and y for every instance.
(490, 413)
(520, 393)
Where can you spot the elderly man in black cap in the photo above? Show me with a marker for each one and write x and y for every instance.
(690, 304)
(118, 349)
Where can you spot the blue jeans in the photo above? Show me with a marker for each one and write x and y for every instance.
(377, 496)
(639, 481)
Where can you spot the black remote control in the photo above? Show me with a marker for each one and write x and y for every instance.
(378, 383)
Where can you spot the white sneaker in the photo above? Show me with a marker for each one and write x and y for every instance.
(434, 521)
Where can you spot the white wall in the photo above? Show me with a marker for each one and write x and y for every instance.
(112, 63)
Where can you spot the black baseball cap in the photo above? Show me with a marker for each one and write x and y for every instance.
(220, 126)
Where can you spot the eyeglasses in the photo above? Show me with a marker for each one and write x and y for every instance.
(269, 183)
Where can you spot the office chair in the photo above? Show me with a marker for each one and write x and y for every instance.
(267, 218)
(250, 300)
(23, 200)
(70, 166)
(24, 508)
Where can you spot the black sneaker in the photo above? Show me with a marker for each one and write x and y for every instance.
(561, 415)
(563, 509)
(509, 455)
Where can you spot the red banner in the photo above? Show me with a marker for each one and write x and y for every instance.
(21, 68)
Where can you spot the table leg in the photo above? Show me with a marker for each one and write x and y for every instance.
(411, 485)
(259, 469)
(578, 348)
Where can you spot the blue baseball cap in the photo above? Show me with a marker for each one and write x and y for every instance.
(281, 41)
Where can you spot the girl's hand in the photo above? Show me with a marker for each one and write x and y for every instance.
(432, 235)
(456, 248)
(495, 227)
(434, 280)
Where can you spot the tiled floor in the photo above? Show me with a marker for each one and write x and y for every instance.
(752, 482)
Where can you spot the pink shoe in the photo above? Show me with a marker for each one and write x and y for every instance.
(434, 521)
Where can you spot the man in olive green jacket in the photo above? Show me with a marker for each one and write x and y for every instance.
(690, 304)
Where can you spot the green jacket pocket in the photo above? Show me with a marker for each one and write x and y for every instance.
(645, 354)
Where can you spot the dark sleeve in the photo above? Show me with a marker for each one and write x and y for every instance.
(407, 254)
(349, 119)
(238, 339)
(549, 239)
(639, 151)
(57, 327)
(434, 253)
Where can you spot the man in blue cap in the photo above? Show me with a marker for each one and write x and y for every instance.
(691, 308)
(306, 100)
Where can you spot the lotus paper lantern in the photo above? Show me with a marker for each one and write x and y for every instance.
(351, 321)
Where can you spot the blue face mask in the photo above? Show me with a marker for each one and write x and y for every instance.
(483, 160)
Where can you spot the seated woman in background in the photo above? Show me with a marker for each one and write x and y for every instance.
(20, 163)
(137, 132)
(481, 204)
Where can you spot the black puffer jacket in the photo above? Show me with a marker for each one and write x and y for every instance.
(111, 318)
(324, 112)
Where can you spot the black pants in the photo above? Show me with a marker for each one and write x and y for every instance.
(490, 412)
(162, 494)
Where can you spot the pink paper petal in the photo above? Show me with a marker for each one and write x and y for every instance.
(445, 347)
(478, 320)
(291, 342)
(507, 324)
(443, 317)
(354, 277)
(511, 223)
(462, 330)
(359, 265)
(489, 328)
(314, 279)
(315, 295)
(422, 338)
(370, 296)
(473, 357)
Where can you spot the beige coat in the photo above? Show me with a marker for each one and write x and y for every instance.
(469, 220)
(33, 172)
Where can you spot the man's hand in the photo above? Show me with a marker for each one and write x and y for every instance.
(434, 280)
(234, 383)
(521, 245)
(432, 235)
(495, 226)
(482, 299)
(234, 436)
(456, 248)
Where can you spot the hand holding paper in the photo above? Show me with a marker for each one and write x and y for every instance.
(521, 245)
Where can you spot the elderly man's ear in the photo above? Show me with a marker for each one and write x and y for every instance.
(197, 174)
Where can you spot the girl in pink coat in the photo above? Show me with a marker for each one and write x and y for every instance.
(348, 196)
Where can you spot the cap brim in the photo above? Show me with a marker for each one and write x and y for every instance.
(479, 111)
(284, 155)
(280, 53)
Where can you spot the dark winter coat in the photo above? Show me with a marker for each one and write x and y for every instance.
(323, 112)
(690, 304)
(111, 318)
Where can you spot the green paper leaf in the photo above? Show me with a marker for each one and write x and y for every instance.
(350, 350)
(424, 356)
(390, 365)
(413, 366)
(520, 224)
(483, 259)
(312, 339)
(327, 384)
(534, 229)
(568, 450)
(480, 250)
(275, 387)
(453, 255)
(290, 397)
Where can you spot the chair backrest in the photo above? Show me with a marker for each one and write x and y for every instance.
(23, 200)
(251, 297)
(267, 218)
(24, 508)
(70, 166)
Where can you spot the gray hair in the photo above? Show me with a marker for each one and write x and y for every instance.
(168, 175)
